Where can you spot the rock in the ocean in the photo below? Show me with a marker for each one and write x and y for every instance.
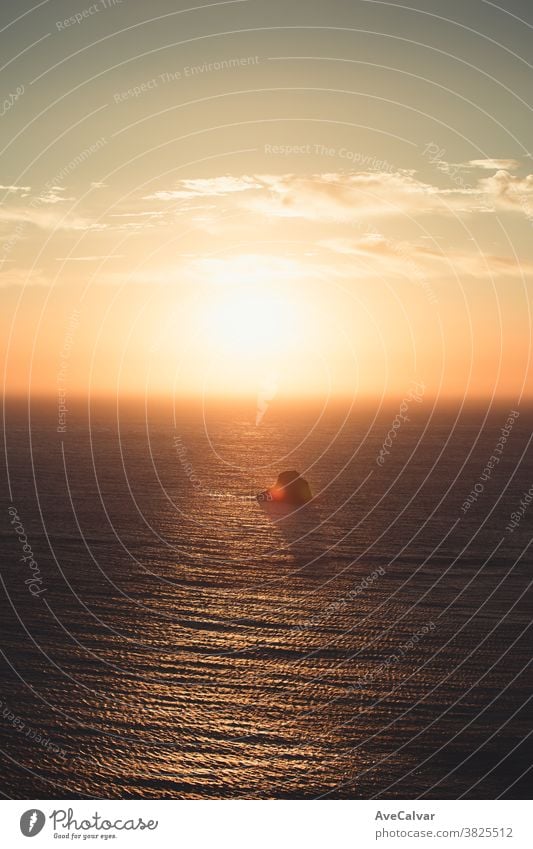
(290, 488)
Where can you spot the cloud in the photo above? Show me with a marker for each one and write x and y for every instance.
(346, 197)
(138, 220)
(343, 196)
(382, 256)
(333, 204)
(23, 190)
(334, 196)
(89, 258)
(137, 214)
(53, 195)
(210, 187)
(509, 191)
(492, 164)
(46, 219)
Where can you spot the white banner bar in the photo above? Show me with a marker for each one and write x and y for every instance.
(267, 824)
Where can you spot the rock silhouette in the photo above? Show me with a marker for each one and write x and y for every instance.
(290, 488)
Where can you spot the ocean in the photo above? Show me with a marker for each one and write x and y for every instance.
(167, 636)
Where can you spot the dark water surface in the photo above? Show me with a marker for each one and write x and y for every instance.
(189, 644)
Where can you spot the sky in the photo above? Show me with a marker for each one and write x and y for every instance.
(321, 198)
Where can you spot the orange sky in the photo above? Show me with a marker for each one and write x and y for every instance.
(329, 215)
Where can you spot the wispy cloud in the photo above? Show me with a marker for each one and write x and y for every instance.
(331, 209)
(55, 194)
(137, 214)
(381, 255)
(47, 219)
(331, 196)
(345, 195)
(492, 164)
(95, 258)
(210, 187)
(22, 190)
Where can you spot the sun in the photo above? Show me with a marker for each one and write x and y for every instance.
(252, 323)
